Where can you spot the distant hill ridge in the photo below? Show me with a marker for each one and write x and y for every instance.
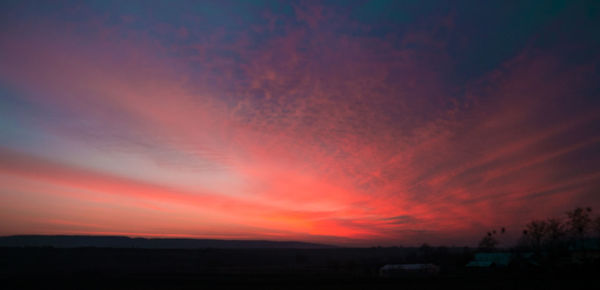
(66, 241)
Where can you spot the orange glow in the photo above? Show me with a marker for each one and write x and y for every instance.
(294, 129)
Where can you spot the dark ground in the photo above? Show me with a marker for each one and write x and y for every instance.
(336, 268)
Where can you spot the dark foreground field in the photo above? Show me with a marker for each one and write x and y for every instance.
(336, 268)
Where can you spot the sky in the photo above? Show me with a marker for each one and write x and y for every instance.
(355, 123)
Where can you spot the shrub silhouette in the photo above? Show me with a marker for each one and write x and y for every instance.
(489, 241)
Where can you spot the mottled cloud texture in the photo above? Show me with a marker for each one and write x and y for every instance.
(358, 123)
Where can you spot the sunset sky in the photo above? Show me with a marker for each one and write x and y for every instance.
(343, 122)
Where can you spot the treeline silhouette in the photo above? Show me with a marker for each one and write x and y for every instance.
(66, 241)
(552, 253)
(555, 239)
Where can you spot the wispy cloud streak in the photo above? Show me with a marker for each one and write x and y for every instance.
(307, 123)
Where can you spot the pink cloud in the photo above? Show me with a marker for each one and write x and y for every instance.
(323, 137)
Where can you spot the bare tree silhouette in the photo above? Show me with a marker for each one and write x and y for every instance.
(579, 224)
(597, 228)
(489, 241)
(543, 233)
(535, 233)
(555, 232)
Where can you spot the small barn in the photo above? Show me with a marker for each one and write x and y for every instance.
(409, 270)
